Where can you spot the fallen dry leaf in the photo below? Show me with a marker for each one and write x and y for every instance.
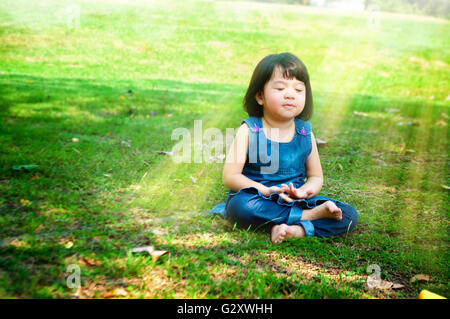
(118, 292)
(127, 144)
(17, 242)
(392, 110)
(415, 123)
(89, 262)
(385, 285)
(397, 286)
(441, 123)
(201, 172)
(158, 253)
(320, 142)
(158, 232)
(148, 249)
(152, 252)
(420, 277)
(360, 113)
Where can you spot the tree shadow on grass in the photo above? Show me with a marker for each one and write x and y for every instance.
(65, 196)
(159, 95)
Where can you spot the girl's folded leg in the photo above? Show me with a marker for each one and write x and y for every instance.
(251, 210)
(248, 209)
(330, 227)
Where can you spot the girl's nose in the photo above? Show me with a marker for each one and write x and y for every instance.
(289, 94)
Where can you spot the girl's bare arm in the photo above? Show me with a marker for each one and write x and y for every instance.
(314, 172)
(232, 176)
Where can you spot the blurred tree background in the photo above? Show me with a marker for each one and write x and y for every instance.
(436, 8)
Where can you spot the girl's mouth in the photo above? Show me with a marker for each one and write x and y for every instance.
(289, 105)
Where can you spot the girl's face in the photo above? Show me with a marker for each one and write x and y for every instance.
(282, 99)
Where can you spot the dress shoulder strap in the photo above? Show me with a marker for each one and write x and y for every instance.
(254, 123)
(302, 127)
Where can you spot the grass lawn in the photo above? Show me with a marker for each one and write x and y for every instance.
(92, 106)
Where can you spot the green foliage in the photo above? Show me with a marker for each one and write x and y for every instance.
(437, 8)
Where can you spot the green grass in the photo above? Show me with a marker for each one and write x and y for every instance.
(193, 60)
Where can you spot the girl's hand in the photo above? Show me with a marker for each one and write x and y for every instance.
(296, 193)
(275, 189)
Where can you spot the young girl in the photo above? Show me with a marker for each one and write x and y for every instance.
(269, 191)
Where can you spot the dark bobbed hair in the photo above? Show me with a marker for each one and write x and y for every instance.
(291, 66)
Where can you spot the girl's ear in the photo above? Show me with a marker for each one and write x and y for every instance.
(259, 98)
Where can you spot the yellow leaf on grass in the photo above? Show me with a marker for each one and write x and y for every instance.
(25, 202)
(425, 294)
(68, 245)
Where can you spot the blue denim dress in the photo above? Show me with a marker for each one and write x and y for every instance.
(248, 207)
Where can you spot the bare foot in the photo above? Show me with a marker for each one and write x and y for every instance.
(278, 233)
(295, 231)
(333, 211)
(325, 210)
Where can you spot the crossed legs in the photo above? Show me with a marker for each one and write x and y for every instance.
(327, 209)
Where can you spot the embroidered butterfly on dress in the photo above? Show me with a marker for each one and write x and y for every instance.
(303, 131)
(257, 128)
